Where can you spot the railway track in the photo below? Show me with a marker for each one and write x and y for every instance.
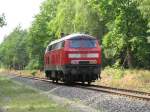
(117, 91)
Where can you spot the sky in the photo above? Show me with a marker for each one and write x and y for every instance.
(18, 12)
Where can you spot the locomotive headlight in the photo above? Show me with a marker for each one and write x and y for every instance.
(74, 55)
(74, 62)
(92, 55)
(93, 62)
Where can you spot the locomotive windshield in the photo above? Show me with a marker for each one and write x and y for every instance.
(82, 43)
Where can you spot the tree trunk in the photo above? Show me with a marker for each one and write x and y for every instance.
(129, 58)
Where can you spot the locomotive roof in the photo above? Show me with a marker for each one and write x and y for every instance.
(71, 37)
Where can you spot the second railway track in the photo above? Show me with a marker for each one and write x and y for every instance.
(111, 90)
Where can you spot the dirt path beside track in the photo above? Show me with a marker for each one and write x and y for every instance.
(1, 110)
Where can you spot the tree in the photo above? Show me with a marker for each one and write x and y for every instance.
(13, 50)
(39, 35)
(145, 9)
(76, 16)
(2, 20)
(127, 34)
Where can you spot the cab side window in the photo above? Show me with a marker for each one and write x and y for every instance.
(53, 46)
(58, 45)
(62, 44)
(50, 48)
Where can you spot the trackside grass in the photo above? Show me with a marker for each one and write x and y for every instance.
(134, 79)
(15, 97)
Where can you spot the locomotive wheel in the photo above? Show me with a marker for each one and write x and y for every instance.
(56, 80)
(56, 77)
(89, 82)
(83, 79)
(53, 76)
(89, 79)
(83, 82)
(53, 80)
(65, 78)
(68, 79)
(47, 74)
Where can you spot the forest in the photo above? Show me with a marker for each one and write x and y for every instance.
(121, 26)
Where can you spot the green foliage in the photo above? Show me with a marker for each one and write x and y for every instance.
(76, 16)
(33, 72)
(117, 73)
(122, 26)
(13, 51)
(39, 35)
(2, 20)
(145, 7)
(17, 97)
(33, 64)
(127, 32)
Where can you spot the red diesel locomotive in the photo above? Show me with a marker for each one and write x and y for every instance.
(73, 58)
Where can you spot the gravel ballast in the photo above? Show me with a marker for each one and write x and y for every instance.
(97, 100)
(1, 110)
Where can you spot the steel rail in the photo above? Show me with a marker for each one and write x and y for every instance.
(106, 89)
(116, 91)
(123, 90)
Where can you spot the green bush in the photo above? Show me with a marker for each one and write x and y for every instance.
(116, 73)
(33, 64)
(33, 72)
